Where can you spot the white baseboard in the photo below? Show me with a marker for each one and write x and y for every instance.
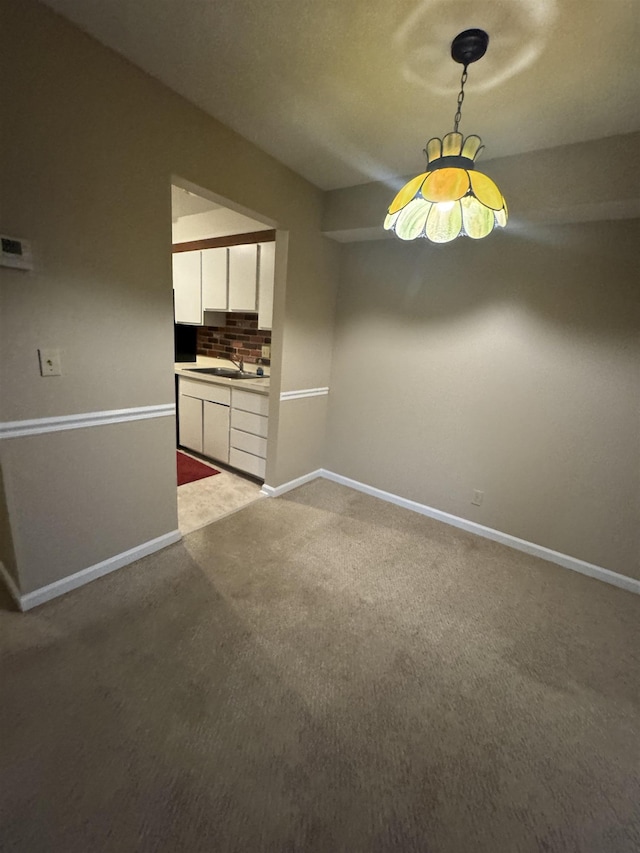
(564, 560)
(276, 491)
(53, 590)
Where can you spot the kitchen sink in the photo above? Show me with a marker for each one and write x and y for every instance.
(225, 372)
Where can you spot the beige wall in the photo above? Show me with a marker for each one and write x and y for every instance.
(89, 148)
(100, 492)
(301, 438)
(509, 365)
(7, 552)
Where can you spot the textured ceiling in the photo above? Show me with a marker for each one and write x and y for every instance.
(348, 91)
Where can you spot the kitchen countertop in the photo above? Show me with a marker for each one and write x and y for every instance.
(257, 385)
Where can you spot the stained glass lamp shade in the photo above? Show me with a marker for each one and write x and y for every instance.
(451, 198)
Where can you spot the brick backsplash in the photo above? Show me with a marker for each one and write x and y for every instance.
(239, 336)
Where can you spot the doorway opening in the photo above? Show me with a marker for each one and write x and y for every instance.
(224, 266)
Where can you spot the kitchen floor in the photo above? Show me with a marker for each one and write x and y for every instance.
(205, 501)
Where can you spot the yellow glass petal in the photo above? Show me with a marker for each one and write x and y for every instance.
(390, 220)
(407, 193)
(485, 190)
(434, 149)
(446, 184)
(444, 222)
(411, 221)
(452, 144)
(472, 145)
(501, 217)
(478, 220)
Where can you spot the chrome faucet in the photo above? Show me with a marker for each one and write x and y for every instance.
(239, 364)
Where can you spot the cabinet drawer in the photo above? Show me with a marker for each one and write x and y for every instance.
(246, 462)
(248, 422)
(205, 391)
(248, 402)
(251, 443)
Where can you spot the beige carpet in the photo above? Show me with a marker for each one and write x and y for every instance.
(325, 672)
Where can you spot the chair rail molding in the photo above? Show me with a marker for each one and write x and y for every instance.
(303, 392)
(40, 426)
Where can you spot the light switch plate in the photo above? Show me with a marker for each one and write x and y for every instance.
(477, 498)
(50, 362)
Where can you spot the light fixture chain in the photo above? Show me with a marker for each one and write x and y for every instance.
(458, 115)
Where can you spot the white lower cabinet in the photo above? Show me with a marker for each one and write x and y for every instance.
(249, 422)
(248, 434)
(229, 425)
(203, 413)
(190, 420)
(253, 465)
(215, 431)
(249, 443)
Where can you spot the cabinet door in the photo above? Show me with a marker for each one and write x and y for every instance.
(266, 269)
(243, 277)
(190, 423)
(214, 279)
(216, 431)
(187, 288)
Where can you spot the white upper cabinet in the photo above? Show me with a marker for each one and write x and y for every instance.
(234, 278)
(243, 277)
(186, 287)
(215, 279)
(266, 270)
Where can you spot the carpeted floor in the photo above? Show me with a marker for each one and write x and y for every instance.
(324, 672)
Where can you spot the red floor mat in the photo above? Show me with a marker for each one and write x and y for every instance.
(190, 469)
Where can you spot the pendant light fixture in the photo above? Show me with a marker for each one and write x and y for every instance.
(451, 198)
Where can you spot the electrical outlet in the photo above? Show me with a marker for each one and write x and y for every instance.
(476, 500)
(266, 351)
(49, 362)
